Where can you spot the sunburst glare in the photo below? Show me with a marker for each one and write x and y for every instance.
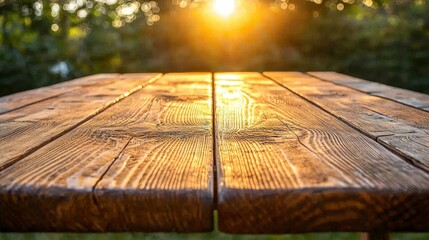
(224, 7)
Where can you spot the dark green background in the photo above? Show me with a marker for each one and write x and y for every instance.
(386, 42)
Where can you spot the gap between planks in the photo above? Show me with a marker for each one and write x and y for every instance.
(94, 196)
(215, 149)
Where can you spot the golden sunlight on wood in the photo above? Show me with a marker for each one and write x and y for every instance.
(224, 7)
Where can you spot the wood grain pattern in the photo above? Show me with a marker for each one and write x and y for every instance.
(401, 128)
(144, 164)
(411, 98)
(22, 99)
(284, 165)
(28, 128)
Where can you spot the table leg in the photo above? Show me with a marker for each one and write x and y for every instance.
(375, 236)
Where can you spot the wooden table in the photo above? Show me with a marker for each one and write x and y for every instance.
(278, 152)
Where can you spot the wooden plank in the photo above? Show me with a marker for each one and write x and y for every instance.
(144, 164)
(411, 98)
(22, 99)
(285, 165)
(33, 126)
(400, 128)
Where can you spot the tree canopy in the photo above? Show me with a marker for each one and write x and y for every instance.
(44, 42)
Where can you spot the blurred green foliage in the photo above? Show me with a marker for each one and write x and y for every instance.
(45, 42)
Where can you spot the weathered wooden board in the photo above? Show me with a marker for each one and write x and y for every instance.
(285, 165)
(401, 128)
(26, 129)
(411, 98)
(144, 164)
(22, 99)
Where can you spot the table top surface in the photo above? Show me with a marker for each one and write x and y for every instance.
(272, 152)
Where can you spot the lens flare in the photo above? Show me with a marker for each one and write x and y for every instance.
(224, 7)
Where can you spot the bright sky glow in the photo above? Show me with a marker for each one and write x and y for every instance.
(224, 8)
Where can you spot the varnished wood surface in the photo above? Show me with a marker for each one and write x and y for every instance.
(285, 165)
(401, 128)
(144, 164)
(37, 124)
(415, 99)
(136, 152)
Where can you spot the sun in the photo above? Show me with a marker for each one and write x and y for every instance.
(224, 7)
